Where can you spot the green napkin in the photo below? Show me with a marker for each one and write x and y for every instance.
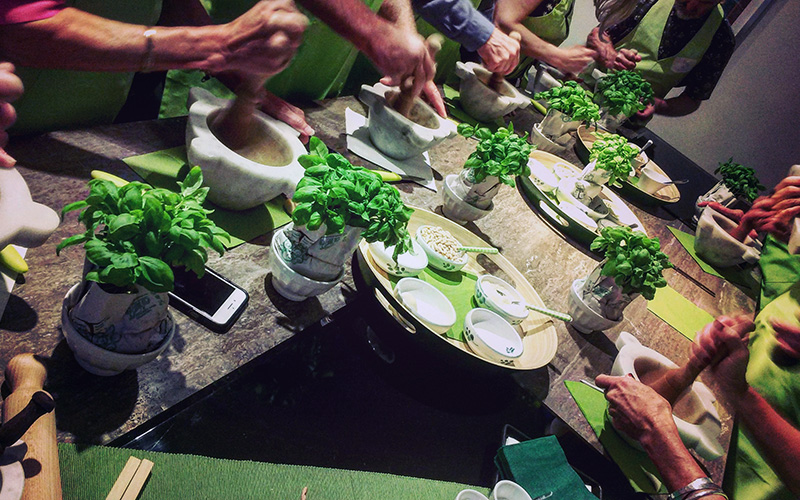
(540, 466)
(457, 286)
(89, 473)
(452, 100)
(678, 312)
(162, 168)
(635, 464)
(687, 242)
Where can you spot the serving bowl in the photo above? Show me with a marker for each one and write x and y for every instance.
(426, 303)
(490, 336)
(437, 259)
(652, 181)
(496, 295)
(409, 263)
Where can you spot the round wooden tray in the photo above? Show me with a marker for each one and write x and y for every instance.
(549, 209)
(666, 195)
(538, 332)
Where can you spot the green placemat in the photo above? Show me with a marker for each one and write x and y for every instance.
(635, 464)
(687, 242)
(459, 287)
(452, 100)
(88, 474)
(162, 168)
(678, 312)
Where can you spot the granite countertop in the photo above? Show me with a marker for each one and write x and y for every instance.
(96, 410)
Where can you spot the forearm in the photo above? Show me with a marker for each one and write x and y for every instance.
(351, 19)
(673, 461)
(398, 12)
(677, 106)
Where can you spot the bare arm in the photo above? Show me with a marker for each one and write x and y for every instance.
(681, 105)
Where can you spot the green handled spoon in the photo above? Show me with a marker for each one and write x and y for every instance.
(486, 250)
(549, 312)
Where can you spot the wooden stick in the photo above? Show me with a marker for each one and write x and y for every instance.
(405, 100)
(673, 382)
(124, 479)
(137, 483)
(233, 125)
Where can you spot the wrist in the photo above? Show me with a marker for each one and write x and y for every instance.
(673, 461)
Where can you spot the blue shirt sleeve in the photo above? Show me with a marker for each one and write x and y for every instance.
(458, 20)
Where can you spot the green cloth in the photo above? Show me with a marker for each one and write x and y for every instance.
(779, 269)
(88, 474)
(635, 464)
(540, 466)
(458, 287)
(452, 100)
(162, 168)
(552, 27)
(678, 312)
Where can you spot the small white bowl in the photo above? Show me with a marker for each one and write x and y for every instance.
(409, 263)
(584, 319)
(455, 208)
(470, 494)
(426, 303)
(542, 176)
(499, 296)
(509, 490)
(492, 337)
(438, 260)
(651, 181)
(288, 282)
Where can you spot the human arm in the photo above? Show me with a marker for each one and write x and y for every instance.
(10, 90)
(509, 15)
(680, 105)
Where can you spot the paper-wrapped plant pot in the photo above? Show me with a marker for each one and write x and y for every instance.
(480, 101)
(263, 169)
(716, 246)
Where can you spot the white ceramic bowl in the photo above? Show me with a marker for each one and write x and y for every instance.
(492, 337)
(94, 359)
(426, 303)
(438, 260)
(578, 215)
(288, 282)
(499, 296)
(651, 181)
(542, 176)
(509, 490)
(470, 495)
(455, 208)
(584, 319)
(409, 263)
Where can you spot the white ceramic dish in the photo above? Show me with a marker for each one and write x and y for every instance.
(426, 303)
(455, 208)
(509, 490)
(651, 181)
(584, 319)
(437, 260)
(409, 263)
(288, 282)
(499, 296)
(489, 335)
(542, 176)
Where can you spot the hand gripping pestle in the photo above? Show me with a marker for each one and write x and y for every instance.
(497, 80)
(405, 100)
(234, 124)
(674, 381)
(25, 377)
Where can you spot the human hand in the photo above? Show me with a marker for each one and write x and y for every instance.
(434, 98)
(774, 214)
(500, 53)
(626, 59)
(10, 90)
(733, 214)
(293, 116)
(403, 56)
(606, 54)
(647, 112)
(724, 342)
(788, 337)
(636, 409)
(261, 41)
(572, 60)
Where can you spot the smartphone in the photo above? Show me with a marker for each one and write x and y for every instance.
(212, 300)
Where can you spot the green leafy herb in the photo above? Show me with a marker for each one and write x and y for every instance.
(572, 100)
(613, 153)
(503, 154)
(337, 194)
(623, 92)
(136, 232)
(741, 180)
(632, 259)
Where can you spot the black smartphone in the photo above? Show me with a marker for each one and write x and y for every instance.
(212, 300)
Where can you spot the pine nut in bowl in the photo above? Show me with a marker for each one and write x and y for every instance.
(409, 263)
(426, 303)
(499, 296)
(490, 336)
(441, 248)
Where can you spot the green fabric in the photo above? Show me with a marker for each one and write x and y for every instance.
(635, 464)
(778, 381)
(779, 270)
(678, 312)
(452, 100)
(162, 168)
(88, 474)
(540, 466)
(458, 287)
(60, 99)
(552, 27)
(664, 74)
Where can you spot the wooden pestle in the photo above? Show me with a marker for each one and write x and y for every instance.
(497, 80)
(405, 100)
(674, 381)
(40, 404)
(25, 376)
(234, 124)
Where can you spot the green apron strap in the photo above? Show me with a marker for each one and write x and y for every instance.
(552, 27)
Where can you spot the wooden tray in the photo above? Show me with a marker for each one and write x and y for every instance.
(538, 332)
(666, 195)
(548, 206)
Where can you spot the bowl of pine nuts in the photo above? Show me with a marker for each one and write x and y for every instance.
(443, 250)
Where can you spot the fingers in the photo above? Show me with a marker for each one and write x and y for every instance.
(287, 113)
(788, 337)
(433, 96)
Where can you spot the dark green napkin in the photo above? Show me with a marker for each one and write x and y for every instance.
(540, 466)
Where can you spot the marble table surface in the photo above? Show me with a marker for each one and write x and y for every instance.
(95, 409)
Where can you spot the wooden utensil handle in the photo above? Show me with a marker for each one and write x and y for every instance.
(675, 381)
(25, 376)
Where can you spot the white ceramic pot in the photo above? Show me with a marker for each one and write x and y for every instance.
(477, 194)
(584, 318)
(481, 102)
(289, 283)
(556, 123)
(317, 255)
(694, 412)
(509, 490)
(490, 336)
(500, 297)
(714, 244)
(426, 303)
(104, 362)
(397, 136)
(455, 208)
(249, 177)
(22, 221)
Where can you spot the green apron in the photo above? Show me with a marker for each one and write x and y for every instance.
(664, 74)
(748, 477)
(552, 27)
(59, 99)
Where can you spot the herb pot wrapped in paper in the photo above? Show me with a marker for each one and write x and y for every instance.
(739, 184)
(569, 106)
(621, 94)
(610, 160)
(134, 235)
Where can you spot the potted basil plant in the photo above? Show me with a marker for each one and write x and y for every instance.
(610, 160)
(337, 204)
(739, 183)
(620, 94)
(116, 318)
(569, 106)
(632, 266)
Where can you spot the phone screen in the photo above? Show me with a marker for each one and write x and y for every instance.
(207, 293)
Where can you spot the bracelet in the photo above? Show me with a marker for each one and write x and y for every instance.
(716, 490)
(702, 483)
(147, 60)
